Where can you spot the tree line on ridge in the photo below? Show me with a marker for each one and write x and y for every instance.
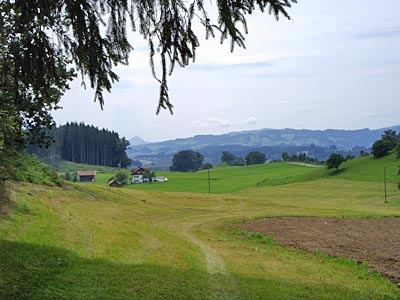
(86, 144)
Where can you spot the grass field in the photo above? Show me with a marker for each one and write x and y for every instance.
(86, 241)
(232, 179)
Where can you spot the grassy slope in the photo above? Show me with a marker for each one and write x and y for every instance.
(228, 179)
(92, 242)
(371, 169)
(233, 179)
(68, 166)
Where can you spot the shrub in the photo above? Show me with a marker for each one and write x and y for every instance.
(121, 178)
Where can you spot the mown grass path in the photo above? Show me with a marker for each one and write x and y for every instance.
(89, 242)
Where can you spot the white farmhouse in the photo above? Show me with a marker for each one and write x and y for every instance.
(137, 175)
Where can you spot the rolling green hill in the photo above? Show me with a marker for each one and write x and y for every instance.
(87, 241)
(371, 169)
(228, 179)
(233, 179)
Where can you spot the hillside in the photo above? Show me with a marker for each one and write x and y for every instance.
(318, 143)
(91, 242)
(233, 179)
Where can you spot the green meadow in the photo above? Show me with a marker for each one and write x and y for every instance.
(233, 179)
(173, 240)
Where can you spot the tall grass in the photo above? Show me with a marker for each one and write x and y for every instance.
(90, 242)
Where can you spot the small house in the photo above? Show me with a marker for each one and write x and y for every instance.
(87, 176)
(137, 175)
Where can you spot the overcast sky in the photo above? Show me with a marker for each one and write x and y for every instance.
(336, 64)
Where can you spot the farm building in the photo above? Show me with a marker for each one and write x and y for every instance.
(87, 176)
(137, 175)
(113, 183)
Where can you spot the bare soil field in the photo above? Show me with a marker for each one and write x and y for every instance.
(372, 241)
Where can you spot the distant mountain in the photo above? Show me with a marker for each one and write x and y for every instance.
(137, 141)
(271, 141)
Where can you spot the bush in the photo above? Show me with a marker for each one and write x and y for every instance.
(121, 178)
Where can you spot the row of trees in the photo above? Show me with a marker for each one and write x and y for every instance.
(302, 157)
(86, 144)
(189, 160)
(252, 158)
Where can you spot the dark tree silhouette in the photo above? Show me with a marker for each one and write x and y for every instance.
(186, 160)
(86, 144)
(255, 157)
(381, 148)
(231, 160)
(334, 161)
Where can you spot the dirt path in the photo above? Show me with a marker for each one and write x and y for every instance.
(372, 241)
(222, 285)
(214, 262)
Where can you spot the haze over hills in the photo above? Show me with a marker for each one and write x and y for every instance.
(318, 143)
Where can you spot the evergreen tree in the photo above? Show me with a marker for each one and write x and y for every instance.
(86, 144)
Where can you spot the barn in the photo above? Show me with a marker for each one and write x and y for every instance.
(87, 176)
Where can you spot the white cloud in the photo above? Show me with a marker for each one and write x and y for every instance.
(213, 123)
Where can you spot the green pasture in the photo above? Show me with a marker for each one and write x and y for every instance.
(88, 241)
(232, 179)
(371, 169)
(226, 179)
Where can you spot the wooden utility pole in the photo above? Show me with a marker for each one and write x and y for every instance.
(209, 184)
(384, 180)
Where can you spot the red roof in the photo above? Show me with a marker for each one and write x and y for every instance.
(86, 173)
(139, 170)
